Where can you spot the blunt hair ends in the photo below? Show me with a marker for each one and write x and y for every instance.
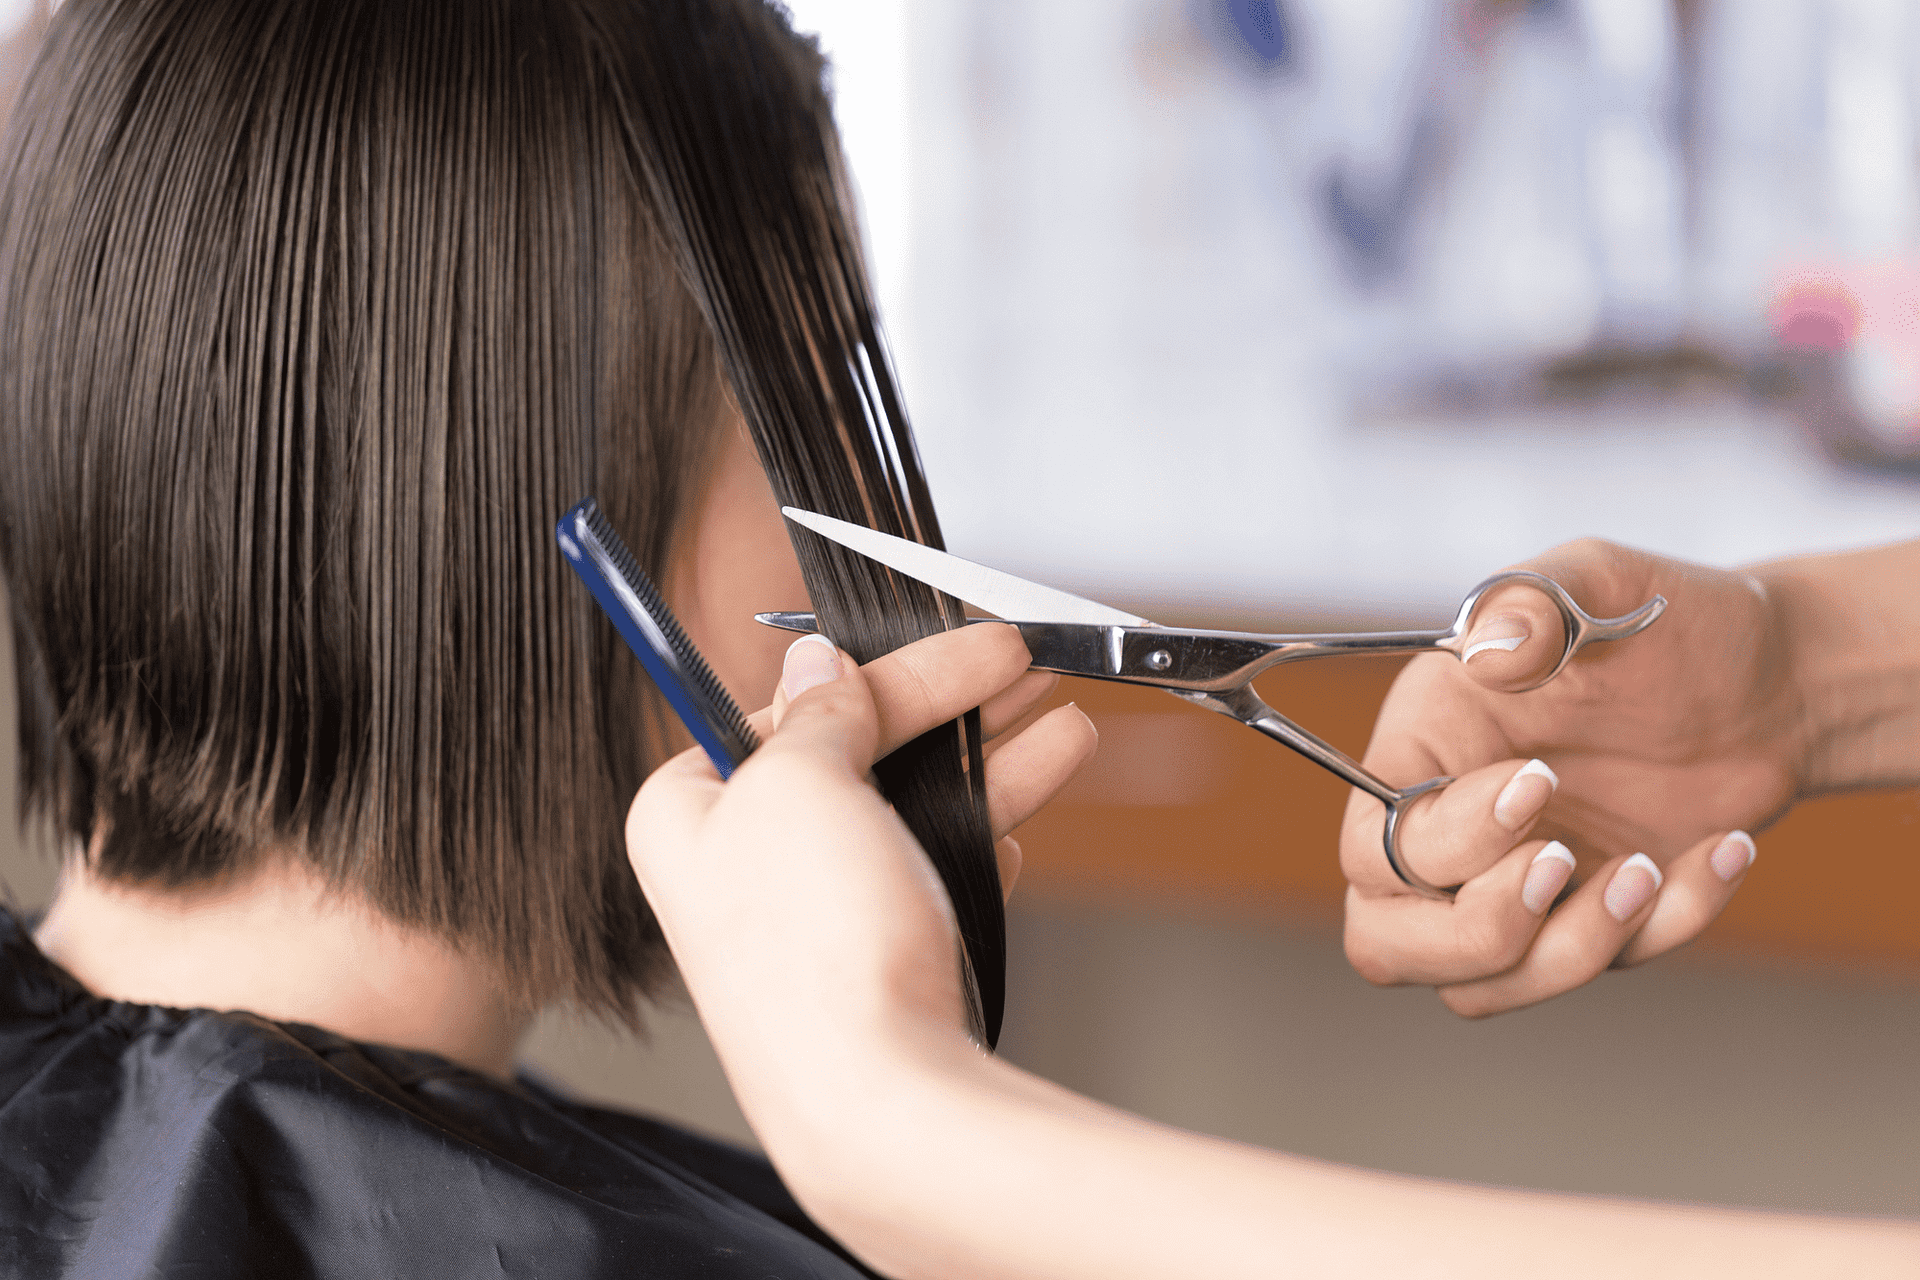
(315, 314)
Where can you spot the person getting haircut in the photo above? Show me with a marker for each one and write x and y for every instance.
(315, 314)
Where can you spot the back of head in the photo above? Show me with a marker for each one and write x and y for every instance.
(315, 314)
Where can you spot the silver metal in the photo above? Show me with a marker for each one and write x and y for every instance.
(1217, 661)
(1246, 706)
(997, 592)
(1581, 627)
(1215, 669)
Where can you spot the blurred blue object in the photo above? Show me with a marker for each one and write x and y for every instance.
(1262, 29)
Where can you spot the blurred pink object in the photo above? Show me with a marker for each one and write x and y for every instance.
(1851, 335)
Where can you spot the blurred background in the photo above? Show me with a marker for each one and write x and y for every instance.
(1298, 313)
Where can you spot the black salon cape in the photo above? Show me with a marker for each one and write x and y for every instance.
(141, 1141)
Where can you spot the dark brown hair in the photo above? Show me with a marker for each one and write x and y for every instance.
(315, 314)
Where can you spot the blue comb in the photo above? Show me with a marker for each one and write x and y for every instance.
(626, 593)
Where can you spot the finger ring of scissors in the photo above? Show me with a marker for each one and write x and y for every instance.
(1212, 669)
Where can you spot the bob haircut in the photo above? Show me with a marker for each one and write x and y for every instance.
(315, 314)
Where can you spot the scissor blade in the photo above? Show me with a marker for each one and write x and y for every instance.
(1002, 593)
(1071, 648)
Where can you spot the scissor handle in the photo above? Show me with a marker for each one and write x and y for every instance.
(1246, 706)
(1581, 627)
(1390, 838)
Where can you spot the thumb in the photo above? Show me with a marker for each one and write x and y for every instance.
(823, 709)
(1516, 634)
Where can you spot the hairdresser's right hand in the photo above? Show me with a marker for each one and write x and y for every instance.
(1670, 743)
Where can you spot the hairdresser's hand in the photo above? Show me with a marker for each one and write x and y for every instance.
(800, 909)
(1669, 743)
(819, 949)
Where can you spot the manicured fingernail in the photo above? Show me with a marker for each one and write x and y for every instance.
(811, 661)
(1504, 634)
(1525, 794)
(1546, 877)
(1633, 884)
(1734, 855)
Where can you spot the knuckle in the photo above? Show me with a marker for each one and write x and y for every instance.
(1471, 1003)
(916, 686)
(1590, 548)
(1491, 944)
(1369, 959)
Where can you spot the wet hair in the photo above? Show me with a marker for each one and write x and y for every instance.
(314, 314)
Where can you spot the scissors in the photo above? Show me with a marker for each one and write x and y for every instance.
(1211, 669)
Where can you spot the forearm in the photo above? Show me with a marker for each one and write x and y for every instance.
(1852, 628)
(956, 1165)
(813, 937)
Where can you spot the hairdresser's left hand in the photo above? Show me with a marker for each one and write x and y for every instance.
(800, 909)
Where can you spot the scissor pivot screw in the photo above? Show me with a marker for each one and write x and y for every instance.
(1159, 659)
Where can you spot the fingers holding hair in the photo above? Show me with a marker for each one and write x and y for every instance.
(934, 680)
(824, 744)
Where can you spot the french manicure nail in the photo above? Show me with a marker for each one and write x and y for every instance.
(1632, 886)
(1546, 877)
(811, 661)
(1503, 634)
(1734, 855)
(1525, 794)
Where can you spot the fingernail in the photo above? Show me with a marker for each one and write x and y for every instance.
(1525, 794)
(1633, 884)
(1734, 855)
(1546, 877)
(811, 661)
(1504, 633)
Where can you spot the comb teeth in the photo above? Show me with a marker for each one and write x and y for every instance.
(722, 712)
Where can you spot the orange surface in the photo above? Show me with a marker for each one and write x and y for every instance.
(1185, 806)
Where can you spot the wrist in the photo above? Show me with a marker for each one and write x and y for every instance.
(1849, 629)
(861, 1127)
(818, 1058)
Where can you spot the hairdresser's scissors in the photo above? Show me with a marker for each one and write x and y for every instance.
(1212, 669)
